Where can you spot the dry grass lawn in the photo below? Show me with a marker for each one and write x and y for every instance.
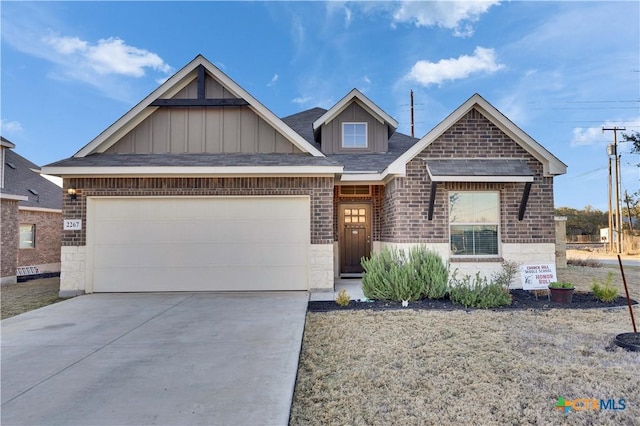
(410, 367)
(23, 297)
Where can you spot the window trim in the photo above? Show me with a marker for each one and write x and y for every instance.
(33, 236)
(366, 135)
(498, 224)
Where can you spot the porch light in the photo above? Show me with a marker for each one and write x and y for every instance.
(72, 192)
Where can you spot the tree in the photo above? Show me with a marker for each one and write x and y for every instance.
(587, 221)
(634, 138)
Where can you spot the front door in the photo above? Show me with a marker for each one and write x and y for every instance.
(355, 236)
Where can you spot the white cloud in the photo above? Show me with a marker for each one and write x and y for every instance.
(66, 45)
(302, 100)
(585, 136)
(273, 81)
(108, 56)
(482, 61)
(455, 15)
(8, 127)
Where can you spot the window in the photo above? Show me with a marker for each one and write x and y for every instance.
(355, 190)
(473, 219)
(27, 236)
(354, 135)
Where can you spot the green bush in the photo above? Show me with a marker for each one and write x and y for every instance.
(605, 291)
(478, 292)
(430, 272)
(395, 275)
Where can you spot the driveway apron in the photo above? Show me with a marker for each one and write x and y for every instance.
(143, 359)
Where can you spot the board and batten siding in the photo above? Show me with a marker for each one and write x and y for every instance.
(377, 137)
(211, 130)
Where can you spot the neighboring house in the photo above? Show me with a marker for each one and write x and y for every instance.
(201, 187)
(31, 218)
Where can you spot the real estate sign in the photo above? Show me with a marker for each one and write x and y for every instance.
(537, 277)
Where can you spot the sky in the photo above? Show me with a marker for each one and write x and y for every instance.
(561, 70)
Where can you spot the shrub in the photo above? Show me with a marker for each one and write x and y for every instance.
(589, 263)
(605, 291)
(507, 273)
(395, 275)
(343, 299)
(430, 272)
(478, 292)
(561, 285)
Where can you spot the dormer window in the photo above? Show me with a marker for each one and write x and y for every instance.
(354, 135)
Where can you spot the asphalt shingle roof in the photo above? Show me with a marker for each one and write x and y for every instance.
(302, 123)
(479, 167)
(20, 179)
(193, 160)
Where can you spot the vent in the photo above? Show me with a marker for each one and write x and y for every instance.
(11, 165)
(355, 190)
(33, 191)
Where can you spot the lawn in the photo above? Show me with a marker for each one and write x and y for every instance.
(468, 367)
(26, 296)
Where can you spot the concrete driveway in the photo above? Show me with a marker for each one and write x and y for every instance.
(165, 359)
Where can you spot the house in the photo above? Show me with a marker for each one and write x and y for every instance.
(201, 187)
(31, 218)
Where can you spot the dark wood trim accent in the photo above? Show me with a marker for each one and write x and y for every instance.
(201, 82)
(190, 103)
(525, 199)
(432, 199)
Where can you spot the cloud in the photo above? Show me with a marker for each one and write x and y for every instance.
(273, 81)
(455, 15)
(482, 61)
(8, 127)
(586, 136)
(302, 100)
(108, 56)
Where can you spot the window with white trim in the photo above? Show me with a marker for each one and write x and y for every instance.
(474, 223)
(354, 135)
(27, 236)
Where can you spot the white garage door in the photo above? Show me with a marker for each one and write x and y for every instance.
(198, 244)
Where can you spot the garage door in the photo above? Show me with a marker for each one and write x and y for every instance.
(198, 244)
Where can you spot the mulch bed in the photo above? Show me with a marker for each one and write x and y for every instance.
(521, 300)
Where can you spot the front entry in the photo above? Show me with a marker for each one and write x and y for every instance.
(355, 236)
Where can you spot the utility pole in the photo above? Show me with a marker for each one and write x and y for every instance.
(412, 124)
(610, 230)
(613, 150)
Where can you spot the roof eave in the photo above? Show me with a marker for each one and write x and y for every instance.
(552, 166)
(192, 171)
(174, 84)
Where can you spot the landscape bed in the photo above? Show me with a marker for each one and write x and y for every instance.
(520, 300)
(448, 365)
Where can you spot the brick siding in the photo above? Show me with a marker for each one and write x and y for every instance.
(48, 236)
(10, 237)
(406, 200)
(320, 191)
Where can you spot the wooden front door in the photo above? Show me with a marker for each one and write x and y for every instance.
(355, 236)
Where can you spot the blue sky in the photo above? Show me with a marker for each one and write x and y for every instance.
(559, 70)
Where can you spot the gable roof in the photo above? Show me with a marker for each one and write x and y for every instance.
(355, 96)
(22, 178)
(302, 123)
(173, 85)
(552, 166)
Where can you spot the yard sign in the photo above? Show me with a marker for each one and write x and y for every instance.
(537, 277)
